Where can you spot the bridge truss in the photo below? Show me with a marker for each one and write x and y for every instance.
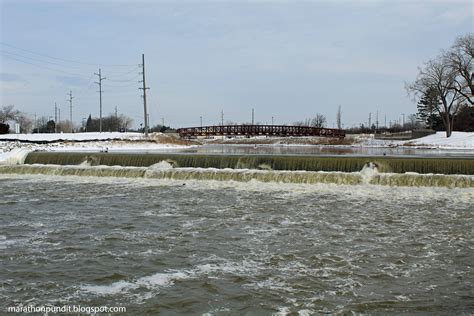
(259, 130)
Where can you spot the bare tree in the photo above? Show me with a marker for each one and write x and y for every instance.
(338, 117)
(64, 126)
(25, 122)
(449, 79)
(412, 122)
(439, 77)
(8, 113)
(306, 122)
(460, 59)
(318, 121)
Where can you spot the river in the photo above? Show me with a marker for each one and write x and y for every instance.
(229, 248)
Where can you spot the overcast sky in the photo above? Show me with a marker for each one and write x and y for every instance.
(286, 59)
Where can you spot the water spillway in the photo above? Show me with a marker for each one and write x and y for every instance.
(366, 176)
(267, 162)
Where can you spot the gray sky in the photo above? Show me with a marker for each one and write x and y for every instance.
(287, 59)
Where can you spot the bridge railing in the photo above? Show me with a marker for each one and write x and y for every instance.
(259, 130)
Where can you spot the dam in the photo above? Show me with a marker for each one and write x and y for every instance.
(271, 162)
(304, 169)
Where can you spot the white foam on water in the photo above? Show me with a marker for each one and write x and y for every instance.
(85, 163)
(368, 172)
(16, 156)
(161, 165)
(111, 289)
(402, 298)
(163, 279)
(271, 284)
(152, 282)
(217, 311)
(4, 243)
(282, 311)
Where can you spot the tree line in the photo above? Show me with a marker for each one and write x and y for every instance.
(111, 123)
(44, 124)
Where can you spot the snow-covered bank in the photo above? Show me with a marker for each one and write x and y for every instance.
(52, 137)
(12, 144)
(457, 140)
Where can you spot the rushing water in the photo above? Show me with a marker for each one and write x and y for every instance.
(273, 162)
(195, 247)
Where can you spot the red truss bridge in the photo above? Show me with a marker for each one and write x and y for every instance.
(259, 130)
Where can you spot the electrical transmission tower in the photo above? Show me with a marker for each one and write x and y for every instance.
(144, 88)
(100, 98)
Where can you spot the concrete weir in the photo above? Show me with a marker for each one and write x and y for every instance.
(436, 165)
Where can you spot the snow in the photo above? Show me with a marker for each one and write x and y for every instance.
(72, 136)
(457, 140)
(14, 151)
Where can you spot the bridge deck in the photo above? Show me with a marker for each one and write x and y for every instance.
(259, 130)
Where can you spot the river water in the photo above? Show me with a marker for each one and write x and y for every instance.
(227, 248)
(316, 150)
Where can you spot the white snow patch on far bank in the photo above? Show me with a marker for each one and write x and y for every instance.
(457, 140)
(72, 136)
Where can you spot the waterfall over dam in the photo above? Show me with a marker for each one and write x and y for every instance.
(391, 171)
(265, 162)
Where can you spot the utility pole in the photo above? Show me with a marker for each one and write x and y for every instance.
(272, 120)
(222, 117)
(144, 88)
(35, 125)
(253, 116)
(385, 118)
(55, 117)
(370, 120)
(70, 110)
(403, 119)
(377, 119)
(200, 118)
(59, 115)
(100, 98)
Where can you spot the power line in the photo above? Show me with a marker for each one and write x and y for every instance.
(63, 59)
(126, 80)
(44, 67)
(121, 74)
(134, 83)
(35, 59)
